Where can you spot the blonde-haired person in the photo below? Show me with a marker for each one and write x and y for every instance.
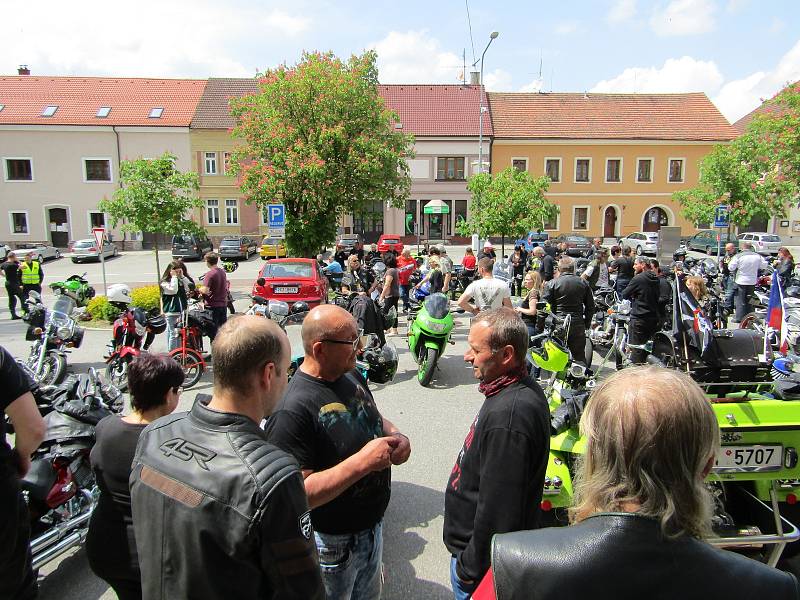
(697, 285)
(641, 507)
(434, 277)
(533, 283)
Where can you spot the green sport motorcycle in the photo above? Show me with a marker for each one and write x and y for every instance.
(75, 286)
(429, 327)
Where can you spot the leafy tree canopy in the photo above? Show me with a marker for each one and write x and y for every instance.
(510, 203)
(318, 138)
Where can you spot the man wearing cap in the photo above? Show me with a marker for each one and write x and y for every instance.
(31, 275)
(488, 251)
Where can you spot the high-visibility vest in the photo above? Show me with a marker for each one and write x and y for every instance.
(30, 273)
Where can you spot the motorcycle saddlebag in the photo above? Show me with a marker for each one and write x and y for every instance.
(39, 479)
(204, 320)
(157, 324)
(61, 427)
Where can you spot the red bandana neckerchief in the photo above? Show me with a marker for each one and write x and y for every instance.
(495, 386)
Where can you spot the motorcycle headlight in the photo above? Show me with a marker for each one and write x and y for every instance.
(432, 325)
(64, 332)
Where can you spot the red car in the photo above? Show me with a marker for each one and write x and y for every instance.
(388, 242)
(293, 280)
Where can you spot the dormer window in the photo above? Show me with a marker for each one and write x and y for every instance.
(49, 111)
(103, 111)
(155, 113)
(2, 106)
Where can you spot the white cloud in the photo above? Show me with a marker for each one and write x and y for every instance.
(684, 17)
(739, 97)
(683, 74)
(180, 38)
(498, 80)
(735, 6)
(534, 86)
(416, 57)
(566, 28)
(621, 10)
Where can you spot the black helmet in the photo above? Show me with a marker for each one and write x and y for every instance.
(679, 254)
(382, 362)
(299, 307)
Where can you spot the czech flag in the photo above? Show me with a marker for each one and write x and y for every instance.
(776, 316)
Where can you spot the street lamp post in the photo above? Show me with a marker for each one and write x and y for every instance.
(483, 109)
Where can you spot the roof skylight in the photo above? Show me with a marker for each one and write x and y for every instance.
(103, 111)
(155, 113)
(49, 111)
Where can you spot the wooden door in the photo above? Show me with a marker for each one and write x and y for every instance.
(610, 222)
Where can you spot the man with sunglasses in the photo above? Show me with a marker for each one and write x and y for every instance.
(328, 421)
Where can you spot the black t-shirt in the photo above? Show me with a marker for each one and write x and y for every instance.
(624, 267)
(15, 383)
(532, 296)
(11, 270)
(436, 280)
(321, 423)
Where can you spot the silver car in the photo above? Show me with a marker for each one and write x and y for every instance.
(763, 243)
(84, 250)
(41, 252)
(641, 242)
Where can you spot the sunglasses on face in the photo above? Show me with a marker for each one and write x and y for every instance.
(353, 343)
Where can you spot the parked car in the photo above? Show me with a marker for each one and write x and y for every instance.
(272, 248)
(348, 241)
(237, 246)
(533, 239)
(4, 250)
(189, 245)
(577, 245)
(41, 252)
(85, 250)
(640, 242)
(706, 241)
(293, 280)
(763, 243)
(390, 243)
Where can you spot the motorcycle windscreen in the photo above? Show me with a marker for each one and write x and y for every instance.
(437, 306)
(64, 305)
(62, 427)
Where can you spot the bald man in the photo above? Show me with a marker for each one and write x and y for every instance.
(328, 421)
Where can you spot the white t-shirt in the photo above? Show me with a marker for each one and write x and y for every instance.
(487, 293)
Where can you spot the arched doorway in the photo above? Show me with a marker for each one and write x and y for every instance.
(654, 219)
(610, 222)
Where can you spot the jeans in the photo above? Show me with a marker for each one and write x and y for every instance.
(730, 292)
(620, 285)
(461, 590)
(351, 563)
(743, 295)
(173, 339)
(404, 295)
(220, 315)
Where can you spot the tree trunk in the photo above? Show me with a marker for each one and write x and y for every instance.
(502, 245)
(158, 264)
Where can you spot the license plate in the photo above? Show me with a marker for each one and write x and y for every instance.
(747, 459)
(285, 290)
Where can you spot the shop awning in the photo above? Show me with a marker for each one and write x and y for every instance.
(436, 207)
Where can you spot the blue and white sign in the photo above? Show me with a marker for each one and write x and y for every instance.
(276, 215)
(722, 215)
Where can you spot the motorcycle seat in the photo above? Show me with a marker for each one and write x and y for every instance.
(260, 300)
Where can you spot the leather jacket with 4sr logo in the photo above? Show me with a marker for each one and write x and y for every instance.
(219, 512)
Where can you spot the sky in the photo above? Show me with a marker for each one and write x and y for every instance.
(739, 52)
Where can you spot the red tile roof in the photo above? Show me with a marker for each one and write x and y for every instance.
(79, 98)
(437, 110)
(689, 117)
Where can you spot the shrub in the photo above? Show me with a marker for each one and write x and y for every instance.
(100, 308)
(147, 297)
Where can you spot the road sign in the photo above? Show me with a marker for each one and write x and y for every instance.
(277, 232)
(276, 216)
(99, 234)
(722, 215)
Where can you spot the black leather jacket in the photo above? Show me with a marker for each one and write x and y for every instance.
(219, 512)
(570, 295)
(623, 556)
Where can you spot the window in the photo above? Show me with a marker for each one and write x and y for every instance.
(520, 164)
(410, 217)
(96, 219)
(97, 169)
(211, 163)
(19, 169)
(155, 113)
(583, 170)
(103, 111)
(226, 163)
(212, 212)
(19, 222)
(675, 170)
(231, 212)
(644, 170)
(460, 213)
(580, 217)
(49, 111)
(450, 168)
(552, 168)
(613, 170)
(551, 223)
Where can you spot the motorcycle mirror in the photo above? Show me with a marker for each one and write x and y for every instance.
(34, 295)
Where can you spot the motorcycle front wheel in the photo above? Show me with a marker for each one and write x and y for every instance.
(191, 364)
(54, 367)
(117, 373)
(427, 366)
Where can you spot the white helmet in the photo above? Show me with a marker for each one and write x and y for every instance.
(119, 292)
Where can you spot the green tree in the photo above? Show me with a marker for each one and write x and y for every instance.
(509, 203)
(154, 197)
(318, 138)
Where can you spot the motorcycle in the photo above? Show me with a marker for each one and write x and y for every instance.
(51, 332)
(76, 286)
(59, 488)
(429, 325)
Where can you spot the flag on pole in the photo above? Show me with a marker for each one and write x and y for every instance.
(688, 317)
(776, 315)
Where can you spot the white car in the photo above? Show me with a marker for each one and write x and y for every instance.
(41, 252)
(763, 243)
(84, 250)
(641, 242)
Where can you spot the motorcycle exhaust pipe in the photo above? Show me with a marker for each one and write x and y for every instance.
(74, 539)
(50, 537)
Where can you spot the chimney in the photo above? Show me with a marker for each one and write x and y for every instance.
(474, 78)
(23, 70)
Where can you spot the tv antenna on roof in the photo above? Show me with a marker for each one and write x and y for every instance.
(471, 41)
